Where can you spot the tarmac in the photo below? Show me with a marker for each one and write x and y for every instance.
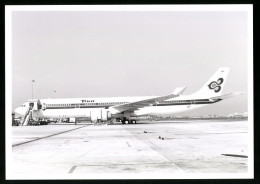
(147, 149)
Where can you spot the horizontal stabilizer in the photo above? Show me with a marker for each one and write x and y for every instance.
(222, 97)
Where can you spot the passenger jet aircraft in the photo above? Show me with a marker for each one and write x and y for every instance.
(127, 108)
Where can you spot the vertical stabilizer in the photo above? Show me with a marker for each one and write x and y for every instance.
(214, 86)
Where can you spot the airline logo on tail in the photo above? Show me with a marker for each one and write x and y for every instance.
(216, 85)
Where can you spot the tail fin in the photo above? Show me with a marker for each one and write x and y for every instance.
(214, 86)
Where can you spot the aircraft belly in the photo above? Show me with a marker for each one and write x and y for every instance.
(165, 109)
(63, 113)
(83, 112)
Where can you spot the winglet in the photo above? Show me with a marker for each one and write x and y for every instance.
(179, 91)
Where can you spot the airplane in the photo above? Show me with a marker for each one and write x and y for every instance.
(127, 108)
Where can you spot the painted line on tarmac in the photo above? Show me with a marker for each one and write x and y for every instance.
(18, 144)
(73, 168)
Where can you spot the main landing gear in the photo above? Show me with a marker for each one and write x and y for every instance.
(127, 121)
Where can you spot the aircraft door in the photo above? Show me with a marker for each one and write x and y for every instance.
(43, 106)
(31, 104)
(39, 105)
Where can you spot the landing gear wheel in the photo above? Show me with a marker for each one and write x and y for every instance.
(125, 121)
(133, 121)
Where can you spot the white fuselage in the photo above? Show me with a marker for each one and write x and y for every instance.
(87, 107)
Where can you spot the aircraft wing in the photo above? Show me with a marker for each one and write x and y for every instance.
(147, 102)
(222, 97)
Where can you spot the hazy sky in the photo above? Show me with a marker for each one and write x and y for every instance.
(102, 54)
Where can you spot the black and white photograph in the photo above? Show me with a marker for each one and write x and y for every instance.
(129, 92)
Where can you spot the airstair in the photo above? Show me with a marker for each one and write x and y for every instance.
(27, 116)
(33, 105)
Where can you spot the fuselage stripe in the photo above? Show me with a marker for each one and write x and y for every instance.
(101, 105)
